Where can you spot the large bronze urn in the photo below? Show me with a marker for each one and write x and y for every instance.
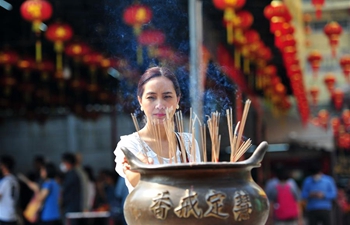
(199, 193)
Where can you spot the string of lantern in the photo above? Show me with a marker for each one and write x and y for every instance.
(335, 117)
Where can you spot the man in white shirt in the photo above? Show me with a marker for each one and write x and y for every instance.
(9, 192)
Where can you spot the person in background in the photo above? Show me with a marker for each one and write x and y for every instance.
(91, 187)
(9, 192)
(318, 191)
(284, 196)
(158, 91)
(84, 182)
(47, 195)
(121, 192)
(71, 186)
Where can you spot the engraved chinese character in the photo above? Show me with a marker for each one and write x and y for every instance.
(161, 205)
(215, 202)
(242, 206)
(189, 205)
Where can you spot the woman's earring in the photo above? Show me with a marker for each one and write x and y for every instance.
(141, 108)
(177, 107)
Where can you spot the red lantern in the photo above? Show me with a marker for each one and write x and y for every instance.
(76, 50)
(136, 15)
(46, 67)
(335, 125)
(338, 97)
(329, 80)
(346, 118)
(285, 29)
(314, 92)
(36, 11)
(318, 4)
(315, 58)
(345, 65)
(277, 13)
(333, 31)
(230, 16)
(8, 58)
(242, 21)
(59, 33)
(151, 38)
(323, 117)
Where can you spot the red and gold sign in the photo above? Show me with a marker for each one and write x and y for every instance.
(333, 31)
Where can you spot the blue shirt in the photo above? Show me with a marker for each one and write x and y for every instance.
(326, 186)
(51, 207)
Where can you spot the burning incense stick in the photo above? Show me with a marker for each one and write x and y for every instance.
(241, 127)
(213, 126)
(169, 130)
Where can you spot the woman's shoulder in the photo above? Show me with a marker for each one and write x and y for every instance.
(129, 138)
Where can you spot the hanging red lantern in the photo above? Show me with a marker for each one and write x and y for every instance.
(137, 15)
(8, 58)
(76, 49)
(151, 38)
(346, 118)
(285, 29)
(277, 13)
(59, 33)
(230, 18)
(93, 60)
(315, 58)
(335, 125)
(333, 31)
(318, 4)
(314, 93)
(338, 97)
(329, 80)
(323, 117)
(242, 21)
(46, 67)
(36, 11)
(345, 65)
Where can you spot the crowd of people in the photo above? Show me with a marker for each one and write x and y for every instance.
(317, 201)
(46, 194)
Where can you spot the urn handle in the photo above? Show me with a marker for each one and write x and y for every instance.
(133, 161)
(258, 155)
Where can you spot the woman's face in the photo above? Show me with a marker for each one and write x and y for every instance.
(158, 95)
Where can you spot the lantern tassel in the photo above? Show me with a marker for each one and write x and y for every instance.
(139, 55)
(38, 55)
(59, 61)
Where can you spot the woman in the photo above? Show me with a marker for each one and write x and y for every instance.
(47, 196)
(158, 91)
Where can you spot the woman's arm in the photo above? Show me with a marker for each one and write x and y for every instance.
(32, 185)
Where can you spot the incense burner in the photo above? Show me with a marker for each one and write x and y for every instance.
(198, 193)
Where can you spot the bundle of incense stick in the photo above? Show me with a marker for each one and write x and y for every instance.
(213, 126)
(180, 129)
(238, 148)
(155, 130)
(169, 130)
(137, 127)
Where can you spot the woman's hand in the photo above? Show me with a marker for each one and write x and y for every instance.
(134, 177)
